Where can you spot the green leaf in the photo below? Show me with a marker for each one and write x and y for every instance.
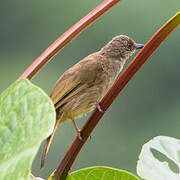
(154, 168)
(69, 177)
(51, 177)
(27, 117)
(35, 178)
(102, 173)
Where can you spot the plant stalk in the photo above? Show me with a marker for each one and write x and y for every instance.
(70, 156)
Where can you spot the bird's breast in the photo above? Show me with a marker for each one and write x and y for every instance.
(111, 69)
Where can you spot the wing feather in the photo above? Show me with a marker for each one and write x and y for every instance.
(75, 79)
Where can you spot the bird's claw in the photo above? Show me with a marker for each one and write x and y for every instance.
(97, 106)
(79, 135)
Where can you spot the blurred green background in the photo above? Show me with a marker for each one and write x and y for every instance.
(147, 107)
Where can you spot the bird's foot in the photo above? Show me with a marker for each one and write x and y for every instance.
(79, 134)
(77, 130)
(97, 106)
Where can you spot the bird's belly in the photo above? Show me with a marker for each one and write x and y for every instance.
(82, 102)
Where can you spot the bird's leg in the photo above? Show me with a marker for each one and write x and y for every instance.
(77, 129)
(97, 106)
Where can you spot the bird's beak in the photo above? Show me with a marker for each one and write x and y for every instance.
(139, 46)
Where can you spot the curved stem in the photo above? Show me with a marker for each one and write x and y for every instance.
(66, 38)
(120, 83)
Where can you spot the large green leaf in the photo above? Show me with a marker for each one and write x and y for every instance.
(102, 173)
(152, 168)
(27, 116)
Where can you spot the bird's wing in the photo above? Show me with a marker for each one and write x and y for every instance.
(74, 80)
(65, 88)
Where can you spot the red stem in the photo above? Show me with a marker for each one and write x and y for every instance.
(120, 83)
(66, 38)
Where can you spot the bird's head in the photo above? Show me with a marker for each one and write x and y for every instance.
(121, 47)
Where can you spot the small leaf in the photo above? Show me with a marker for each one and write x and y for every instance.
(35, 178)
(27, 116)
(102, 173)
(151, 168)
(51, 177)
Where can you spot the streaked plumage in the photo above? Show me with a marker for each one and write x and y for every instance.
(85, 83)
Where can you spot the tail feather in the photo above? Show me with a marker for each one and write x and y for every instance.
(47, 145)
(49, 140)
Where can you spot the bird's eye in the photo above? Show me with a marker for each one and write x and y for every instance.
(129, 46)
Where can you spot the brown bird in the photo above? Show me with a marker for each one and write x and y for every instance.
(82, 86)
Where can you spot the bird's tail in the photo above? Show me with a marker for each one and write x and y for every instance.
(48, 142)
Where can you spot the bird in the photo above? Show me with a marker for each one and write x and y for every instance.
(81, 87)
